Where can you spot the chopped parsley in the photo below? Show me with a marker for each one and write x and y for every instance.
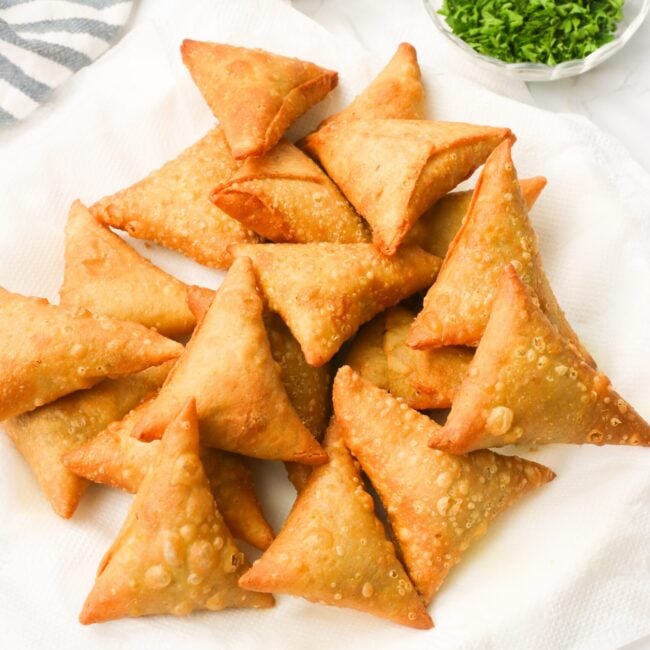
(536, 31)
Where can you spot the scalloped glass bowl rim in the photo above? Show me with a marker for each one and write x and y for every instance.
(540, 71)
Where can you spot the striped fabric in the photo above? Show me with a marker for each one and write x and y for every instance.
(43, 42)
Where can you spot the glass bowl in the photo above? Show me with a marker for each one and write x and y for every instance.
(634, 12)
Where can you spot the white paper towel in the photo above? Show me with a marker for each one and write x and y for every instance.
(568, 567)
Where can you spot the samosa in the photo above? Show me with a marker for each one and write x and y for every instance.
(174, 554)
(114, 457)
(436, 228)
(392, 171)
(50, 351)
(172, 205)
(255, 95)
(285, 196)
(437, 504)
(495, 232)
(366, 352)
(396, 92)
(45, 434)
(333, 550)
(325, 291)
(308, 388)
(106, 276)
(426, 379)
(528, 385)
(228, 366)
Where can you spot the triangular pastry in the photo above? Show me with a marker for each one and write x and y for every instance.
(396, 92)
(392, 171)
(285, 196)
(50, 351)
(528, 385)
(114, 457)
(308, 388)
(42, 436)
(333, 550)
(231, 482)
(495, 232)
(106, 276)
(436, 228)
(425, 379)
(324, 291)
(366, 352)
(437, 504)
(255, 95)
(228, 366)
(172, 205)
(174, 554)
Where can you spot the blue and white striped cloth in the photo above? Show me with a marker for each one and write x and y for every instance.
(43, 42)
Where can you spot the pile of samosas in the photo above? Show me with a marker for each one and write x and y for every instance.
(341, 231)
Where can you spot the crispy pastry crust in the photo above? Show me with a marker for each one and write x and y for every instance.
(333, 549)
(254, 94)
(437, 504)
(527, 384)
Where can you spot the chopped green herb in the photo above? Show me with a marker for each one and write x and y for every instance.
(537, 31)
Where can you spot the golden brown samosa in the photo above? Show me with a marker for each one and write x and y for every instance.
(50, 351)
(114, 457)
(527, 384)
(333, 550)
(425, 379)
(228, 366)
(324, 291)
(106, 276)
(174, 554)
(308, 388)
(392, 171)
(44, 435)
(496, 231)
(436, 228)
(396, 92)
(285, 196)
(366, 352)
(172, 205)
(255, 95)
(437, 504)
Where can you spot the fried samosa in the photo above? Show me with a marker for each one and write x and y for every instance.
(44, 435)
(495, 232)
(392, 171)
(527, 384)
(255, 95)
(174, 554)
(106, 276)
(333, 550)
(243, 406)
(285, 196)
(50, 351)
(437, 504)
(324, 291)
(172, 205)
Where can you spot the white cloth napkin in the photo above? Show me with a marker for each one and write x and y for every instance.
(566, 568)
